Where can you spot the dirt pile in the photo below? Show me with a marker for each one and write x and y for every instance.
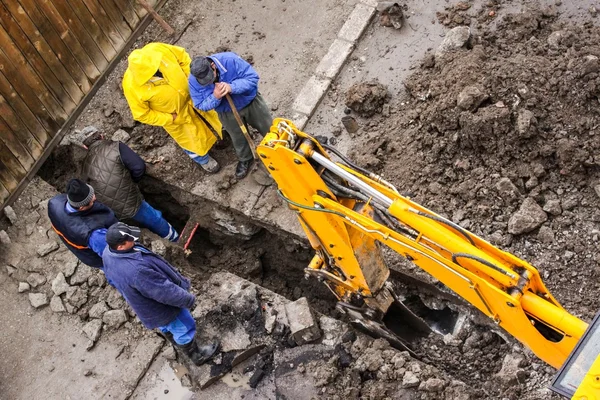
(366, 98)
(370, 369)
(502, 138)
(51, 276)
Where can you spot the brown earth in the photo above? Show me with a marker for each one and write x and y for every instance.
(512, 116)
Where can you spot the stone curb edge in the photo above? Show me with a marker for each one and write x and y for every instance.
(331, 64)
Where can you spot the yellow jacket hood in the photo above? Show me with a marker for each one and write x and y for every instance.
(143, 64)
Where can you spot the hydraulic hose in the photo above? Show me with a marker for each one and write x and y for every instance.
(456, 256)
(345, 159)
(381, 211)
(446, 222)
(366, 172)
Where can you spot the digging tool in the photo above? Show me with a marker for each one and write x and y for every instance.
(260, 175)
(170, 31)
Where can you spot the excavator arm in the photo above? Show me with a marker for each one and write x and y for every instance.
(348, 212)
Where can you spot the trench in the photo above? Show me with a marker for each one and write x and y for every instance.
(273, 260)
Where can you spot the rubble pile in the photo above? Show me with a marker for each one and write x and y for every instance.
(273, 344)
(51, 276)
(499, 133)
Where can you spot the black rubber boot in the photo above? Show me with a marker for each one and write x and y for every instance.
(242, 168)
(200, 354)
(169, 337)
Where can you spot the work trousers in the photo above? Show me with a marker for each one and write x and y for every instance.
(183, 327)
(255, 114)
(198, 158)
(151, 218)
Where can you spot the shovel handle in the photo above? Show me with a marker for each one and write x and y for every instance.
(242, 125)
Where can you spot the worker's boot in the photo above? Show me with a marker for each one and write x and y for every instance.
(212, 166)
(200, 354)
(169, 337)
(242, 169)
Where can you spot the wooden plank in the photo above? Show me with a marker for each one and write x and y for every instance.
(104, 22)
(116, 17)
(17, 148)
(128, 11)
(4, 193)
(57, 69)
(26, 81)
(11, 162)
(92, 27)
(64, 54)
(41, 127)
(75, 35)
(17, 47)
(24, 137)
(59, 135)
(8, 182)
(17, 126)
(26, 62)
(139, 10)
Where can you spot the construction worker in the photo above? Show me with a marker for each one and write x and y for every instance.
(154, 289)
(113, 169)
(213, 77)
(81, 222)
(155, 86)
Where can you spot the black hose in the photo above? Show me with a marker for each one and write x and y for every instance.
(449, 223)
(382, 212)
(280, 193)
(346, 160)
(482, 261)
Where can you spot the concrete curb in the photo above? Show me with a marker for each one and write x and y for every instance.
(331, 64)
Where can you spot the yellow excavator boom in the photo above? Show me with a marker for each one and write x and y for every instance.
(347, 212)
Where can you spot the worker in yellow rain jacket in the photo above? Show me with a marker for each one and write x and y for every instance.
(156, 88)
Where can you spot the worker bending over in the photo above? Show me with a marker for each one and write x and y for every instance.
(211, 79)
(154, 289)
(113, 169)
(155, 86)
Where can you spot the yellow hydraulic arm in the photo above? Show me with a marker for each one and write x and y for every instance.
(346, 212)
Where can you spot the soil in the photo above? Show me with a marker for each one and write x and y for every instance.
(511, 116)
(537, 125)
(521, 102)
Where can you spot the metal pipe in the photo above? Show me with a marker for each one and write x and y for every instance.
(342, 173)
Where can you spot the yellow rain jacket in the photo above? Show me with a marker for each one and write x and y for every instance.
(153, 100)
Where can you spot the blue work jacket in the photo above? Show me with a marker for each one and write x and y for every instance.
(240, 75)
(151, 286)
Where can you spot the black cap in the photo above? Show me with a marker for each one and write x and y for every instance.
(120, 233)
(79, 193)
(202, 71)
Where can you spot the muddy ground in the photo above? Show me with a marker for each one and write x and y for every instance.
(513, 115)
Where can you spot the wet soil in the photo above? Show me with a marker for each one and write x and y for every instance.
(519, 103)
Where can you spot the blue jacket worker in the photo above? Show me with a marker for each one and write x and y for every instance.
(113, 170)
(81, 222)
(154, 289)
(213, 77)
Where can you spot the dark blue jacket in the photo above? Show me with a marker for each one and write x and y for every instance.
(132, 161)
(240, 75)
(75, 229)
(149, 284)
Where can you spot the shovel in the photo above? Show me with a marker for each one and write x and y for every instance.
(260, 175)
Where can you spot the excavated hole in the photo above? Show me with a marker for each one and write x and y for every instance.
(277, 262)
(441, 321)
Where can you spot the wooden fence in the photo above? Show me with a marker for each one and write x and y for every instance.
(54, 54)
